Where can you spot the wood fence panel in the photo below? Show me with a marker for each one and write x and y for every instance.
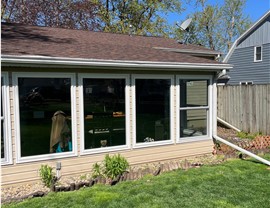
(246, 107)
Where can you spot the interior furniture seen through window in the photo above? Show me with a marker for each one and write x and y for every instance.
(193, 107)
(152, 109)
(104, 112)
(45, 115)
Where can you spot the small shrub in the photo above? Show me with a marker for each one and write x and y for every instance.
(110, 167)
(115, 165)
(97, 170)
(47, 175)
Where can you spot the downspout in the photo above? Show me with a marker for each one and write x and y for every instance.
(216, 137)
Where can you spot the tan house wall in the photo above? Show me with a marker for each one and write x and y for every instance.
(28, 172)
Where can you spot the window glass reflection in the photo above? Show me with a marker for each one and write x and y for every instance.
(104, 112)
(193, 93)
(193, 123)
(45, 115)
(152, 110)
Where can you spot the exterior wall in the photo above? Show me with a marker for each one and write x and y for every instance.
(245, 69)
(260, 35)
(28, 172)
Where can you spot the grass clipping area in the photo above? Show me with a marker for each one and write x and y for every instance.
(236, 183)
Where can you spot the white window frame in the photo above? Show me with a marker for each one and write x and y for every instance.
(209, 108)
(6, 120)
(127, 112)
(49, 156)
(255, 52)
(172, 127)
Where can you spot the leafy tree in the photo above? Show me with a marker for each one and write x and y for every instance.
(54, 13)
(216, 26)
(123, 16)
(137, 16)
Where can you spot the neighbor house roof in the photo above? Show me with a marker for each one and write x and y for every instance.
(25, 42)
(244, 35)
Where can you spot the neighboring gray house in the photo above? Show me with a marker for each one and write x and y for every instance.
(250, 55)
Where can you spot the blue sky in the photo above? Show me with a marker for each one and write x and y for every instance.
(255, 9)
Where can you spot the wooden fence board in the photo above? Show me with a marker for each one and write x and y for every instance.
(246, 107)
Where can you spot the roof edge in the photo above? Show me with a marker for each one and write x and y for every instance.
(11, 60)
(244, 35)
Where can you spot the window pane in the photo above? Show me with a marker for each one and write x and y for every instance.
(45, 115)
(104, 112)
(193, 123)
(2, 124)
(258, 53)
(152, 110)
(193, 93)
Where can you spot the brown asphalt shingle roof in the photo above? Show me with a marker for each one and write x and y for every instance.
(29, 40)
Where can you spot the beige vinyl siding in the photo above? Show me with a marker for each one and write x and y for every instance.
(28, 172)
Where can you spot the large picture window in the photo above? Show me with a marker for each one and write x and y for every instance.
(104, 112)
(6, 150)
(153, 109)
(194, 107)
(45, 114)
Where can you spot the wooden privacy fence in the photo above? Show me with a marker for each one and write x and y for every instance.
(246, 107)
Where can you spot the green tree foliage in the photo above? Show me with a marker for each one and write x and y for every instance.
(53, 13)
(216, 26)
(105, 15)
(140, 17)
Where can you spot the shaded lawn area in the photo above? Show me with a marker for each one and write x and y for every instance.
(235, 183)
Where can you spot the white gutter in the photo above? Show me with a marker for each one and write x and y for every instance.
(227, 124)
(215, 136)
(11, 60)
(242, 150)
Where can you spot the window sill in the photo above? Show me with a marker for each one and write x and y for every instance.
(152, 144)
(45, 157)
(193, 139)
(104, 149)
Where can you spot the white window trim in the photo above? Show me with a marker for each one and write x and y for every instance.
(172, 127)
(255, 50)
(6, 123)
(127, 112)
(209, 107)
(74, 151)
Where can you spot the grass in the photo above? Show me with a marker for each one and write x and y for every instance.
(235, 183)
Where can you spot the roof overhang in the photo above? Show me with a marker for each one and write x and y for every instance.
(195, 52)
(60, 62)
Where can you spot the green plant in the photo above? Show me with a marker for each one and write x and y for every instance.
(115, 165)
(246, 135)
(110, 167)
(47, 175)
(97, 170)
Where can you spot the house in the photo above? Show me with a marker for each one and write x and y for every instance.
(71, 96)
(250, 55)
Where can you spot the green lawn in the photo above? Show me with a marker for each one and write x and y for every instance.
(235, 183)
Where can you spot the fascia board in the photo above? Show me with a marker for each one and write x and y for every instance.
(10, 60)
